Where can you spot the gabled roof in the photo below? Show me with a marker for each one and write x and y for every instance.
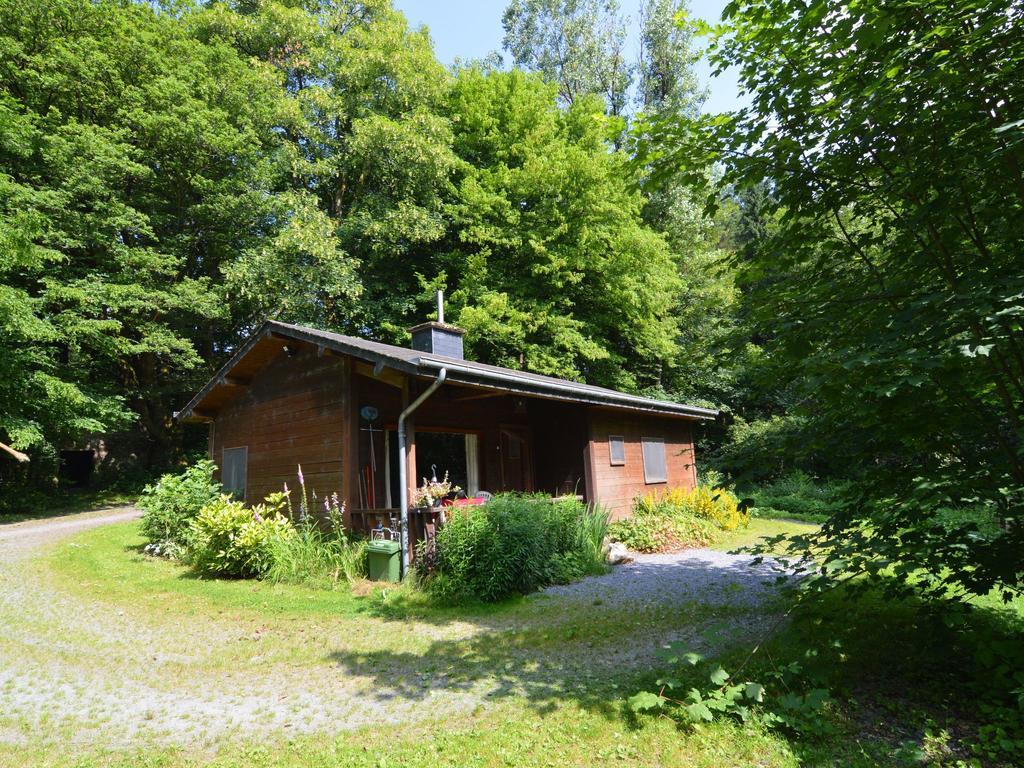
(416, 363)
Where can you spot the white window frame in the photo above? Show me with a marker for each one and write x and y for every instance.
(240, 493)
(650, 476)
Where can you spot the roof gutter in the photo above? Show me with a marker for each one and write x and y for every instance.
(620, 399)
(403, 487)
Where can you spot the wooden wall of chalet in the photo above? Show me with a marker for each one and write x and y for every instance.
(290, 414)
(617, 486)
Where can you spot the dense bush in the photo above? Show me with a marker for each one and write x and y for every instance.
(799, 497)
(679, 518)
(228, 538)
(515, 544)
(172, 504)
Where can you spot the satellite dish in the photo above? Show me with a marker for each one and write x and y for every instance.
(369, 413)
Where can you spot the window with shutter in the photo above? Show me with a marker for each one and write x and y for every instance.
(616, 450)
(655, 467)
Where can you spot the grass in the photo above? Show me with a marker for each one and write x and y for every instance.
(566, 736)
(559, 695)
(758, 529)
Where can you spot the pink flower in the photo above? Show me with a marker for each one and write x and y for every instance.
(301, 479)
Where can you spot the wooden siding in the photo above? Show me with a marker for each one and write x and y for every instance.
(616, 486)
(291, 413)
(304, 409)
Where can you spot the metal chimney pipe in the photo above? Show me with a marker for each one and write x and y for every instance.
(440, 305)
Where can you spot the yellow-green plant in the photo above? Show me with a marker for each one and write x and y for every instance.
(229, 539)
(679, 518)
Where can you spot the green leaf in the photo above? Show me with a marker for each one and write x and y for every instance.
(698, 712)
(719, 676)
(645, 701)
(754, 692)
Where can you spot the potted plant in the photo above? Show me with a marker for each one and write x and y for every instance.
(432, 492)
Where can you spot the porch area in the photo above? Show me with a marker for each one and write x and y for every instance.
(485, 441)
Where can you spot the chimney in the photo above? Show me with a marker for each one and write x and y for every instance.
(437, 337)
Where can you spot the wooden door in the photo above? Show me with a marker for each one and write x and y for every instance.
(516, 467)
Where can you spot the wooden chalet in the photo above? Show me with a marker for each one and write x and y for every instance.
(347, 409)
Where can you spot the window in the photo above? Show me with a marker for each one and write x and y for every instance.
(655, 469)
(233, 471)
(616, 450)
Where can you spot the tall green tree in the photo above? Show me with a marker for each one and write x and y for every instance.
(577, 44)
(894, 140)
(552, 266)
(133, 158)
(668, 57)
(368, 160)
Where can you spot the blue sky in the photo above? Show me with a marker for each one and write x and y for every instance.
(471, 29)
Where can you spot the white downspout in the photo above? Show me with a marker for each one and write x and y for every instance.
(403, 489)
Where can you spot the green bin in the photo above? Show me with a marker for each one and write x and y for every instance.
(384, 560)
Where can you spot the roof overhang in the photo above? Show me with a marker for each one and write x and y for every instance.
(268, 340)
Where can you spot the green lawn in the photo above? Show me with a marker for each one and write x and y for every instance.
(558, 701)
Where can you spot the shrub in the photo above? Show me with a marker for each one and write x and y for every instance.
(172, 503)
(654, 533)
(516, 544)
(229, 539)
(679, 518)
(799, 497)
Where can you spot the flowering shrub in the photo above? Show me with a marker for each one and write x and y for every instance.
(318, 553)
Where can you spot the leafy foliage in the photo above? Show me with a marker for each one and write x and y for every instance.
(679, 518)
(783, 698)
(515, 544)
(230, 539)
(888, 291)
(171, 504)
(576, 44)
(320, 552)
(798, 497)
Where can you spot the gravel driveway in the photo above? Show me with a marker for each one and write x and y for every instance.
(116, 674)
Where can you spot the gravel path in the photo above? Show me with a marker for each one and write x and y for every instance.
(83, 671)
(706, 575)
(19, 539)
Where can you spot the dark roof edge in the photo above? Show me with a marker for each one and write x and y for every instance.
(464, 374)
(223, 371)
(565, 390)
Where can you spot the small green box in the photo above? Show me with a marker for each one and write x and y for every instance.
(383, 561)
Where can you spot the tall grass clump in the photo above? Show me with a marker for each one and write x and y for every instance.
(515, 544)
(319, 551)
(679, 518)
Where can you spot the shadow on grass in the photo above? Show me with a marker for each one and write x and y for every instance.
(46, 507)
(592, 643)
